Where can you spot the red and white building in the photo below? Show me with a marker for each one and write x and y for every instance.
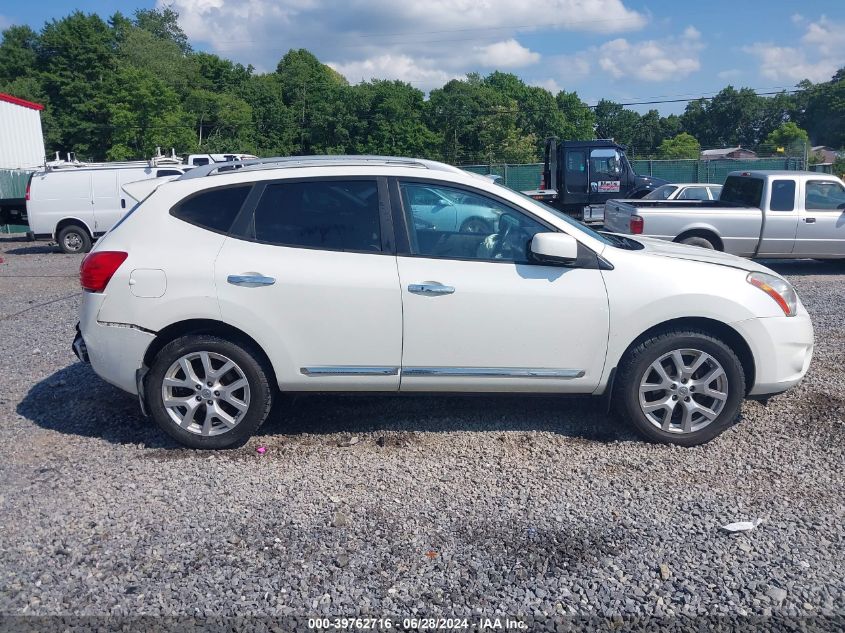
(21, 138)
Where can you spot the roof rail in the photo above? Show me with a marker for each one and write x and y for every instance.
(280, 162)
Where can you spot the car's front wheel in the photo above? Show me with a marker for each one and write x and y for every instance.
(206, 392)
(681, 387)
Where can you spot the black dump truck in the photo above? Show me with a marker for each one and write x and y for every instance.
(580, 176)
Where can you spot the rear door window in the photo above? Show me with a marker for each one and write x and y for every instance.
(336, 215)
(214, 209)
(783, 195)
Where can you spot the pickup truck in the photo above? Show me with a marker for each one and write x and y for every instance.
(779, 214)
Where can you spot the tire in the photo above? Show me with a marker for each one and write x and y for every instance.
(74, 239)
(682, 428)
(476, 225)
(223, 425)
(697, 240)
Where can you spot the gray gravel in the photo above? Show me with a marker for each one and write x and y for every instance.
(443, 506)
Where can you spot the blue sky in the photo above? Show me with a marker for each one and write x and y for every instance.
(625, 50)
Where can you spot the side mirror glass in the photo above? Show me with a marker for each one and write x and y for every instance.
(554, 248)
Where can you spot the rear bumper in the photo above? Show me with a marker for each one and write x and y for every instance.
(115, 350)
(782, 348)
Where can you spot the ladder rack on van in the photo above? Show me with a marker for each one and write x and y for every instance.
(159, 160)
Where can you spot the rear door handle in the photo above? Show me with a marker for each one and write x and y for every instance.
(430, 289)
(810, 220)
(250, 281)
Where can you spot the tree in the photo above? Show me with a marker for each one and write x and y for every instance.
(144, 113)
(18, 53)
(579, 119)
(647, 134)
(824, 113)
(76, 57)
(164, 25)
(391, 117)
(537, 113)
(614, 121)
(315, 94)
(681, 146)
(273, 127)
(164, 59)
(478, 123)
(789, 139)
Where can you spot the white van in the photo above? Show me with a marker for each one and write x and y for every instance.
(76, 205)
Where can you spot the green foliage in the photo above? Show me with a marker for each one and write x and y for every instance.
(18, 53)
(144, 113)
(116, 89)
(681, 146)
(579, 118)
(788, 138)
(824, 113)
(164, 25)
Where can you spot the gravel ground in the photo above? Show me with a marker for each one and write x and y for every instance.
(445, 506)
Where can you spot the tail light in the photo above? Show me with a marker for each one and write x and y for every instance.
(28, 186)
(98, 268)
(542, 182)
(636, 225)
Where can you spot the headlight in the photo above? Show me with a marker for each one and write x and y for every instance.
(778, 289)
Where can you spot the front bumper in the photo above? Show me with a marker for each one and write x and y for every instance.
(782, 348)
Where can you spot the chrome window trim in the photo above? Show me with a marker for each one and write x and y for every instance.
(494, 372)
(349, 370)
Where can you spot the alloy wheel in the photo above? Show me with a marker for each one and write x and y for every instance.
(205, 393)
(683, 391)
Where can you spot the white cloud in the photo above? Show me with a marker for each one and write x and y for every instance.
(786, 63)
(4, 22)
(412, 41)
(827, 37)
(667, 59)
(730, 73)
(507, 54)
(671, 58)
(422, 73)
(822, 53)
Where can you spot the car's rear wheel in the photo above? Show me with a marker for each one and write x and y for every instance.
(74, 239)
(681, 387)
(206, 392)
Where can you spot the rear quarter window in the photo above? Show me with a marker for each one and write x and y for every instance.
(214, 209)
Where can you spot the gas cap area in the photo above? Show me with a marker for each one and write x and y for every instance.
(148, 283)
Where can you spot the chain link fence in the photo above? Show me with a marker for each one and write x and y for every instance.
(527, 176)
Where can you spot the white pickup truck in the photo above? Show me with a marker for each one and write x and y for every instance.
(788, 214)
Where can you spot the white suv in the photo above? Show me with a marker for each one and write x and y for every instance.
(224, 287)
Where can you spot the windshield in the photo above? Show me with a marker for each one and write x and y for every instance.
(661, 193)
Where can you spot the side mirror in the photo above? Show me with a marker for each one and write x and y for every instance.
(554, 248)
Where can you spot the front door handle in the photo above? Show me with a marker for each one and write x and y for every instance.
(810, 220)
(250, 281)
(430, 288)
